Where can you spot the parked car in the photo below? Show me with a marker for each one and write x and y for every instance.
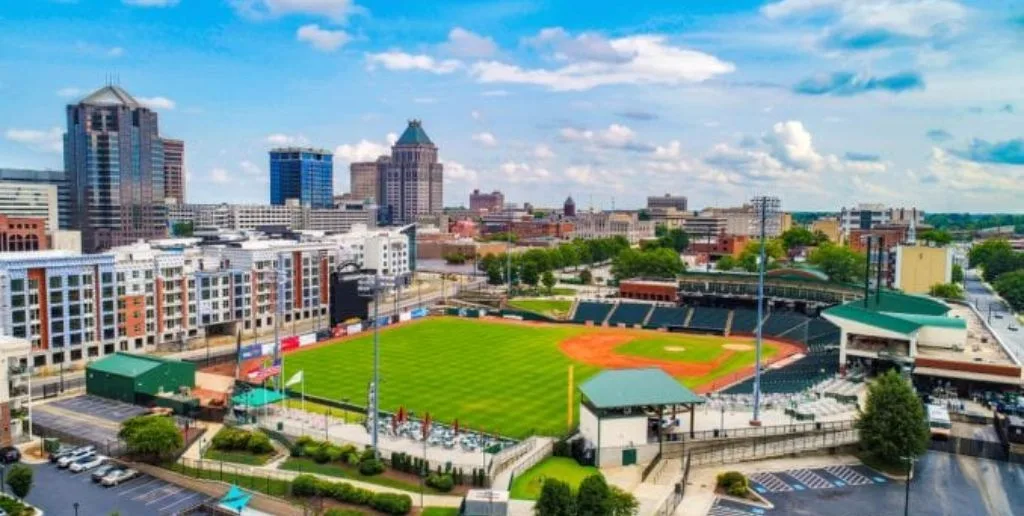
(9, 455)
(62, 451)
(66, 460)
(86, 463)
(103, 471)
(117, 476)
(1011, 328)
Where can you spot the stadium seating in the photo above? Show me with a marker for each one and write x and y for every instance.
(796, 377)
(587, 311)
(629, 313)
(665, 316)
(778, 324)
(744, 320)
(708, 318)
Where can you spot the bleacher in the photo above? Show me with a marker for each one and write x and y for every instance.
(629, 313)
(778, 324)
(708, 318)
(822, 335)
(587, 311)
(666, 316)
(796, 377)
(744, 320)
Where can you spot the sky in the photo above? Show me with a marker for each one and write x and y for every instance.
(824, 103)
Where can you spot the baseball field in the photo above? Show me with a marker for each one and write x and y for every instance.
(508, 377)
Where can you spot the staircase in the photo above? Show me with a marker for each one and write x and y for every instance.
(728, 322)
(609, 316)
(647, 317)
(689, 315)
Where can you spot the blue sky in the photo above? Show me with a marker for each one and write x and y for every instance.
(822, 102)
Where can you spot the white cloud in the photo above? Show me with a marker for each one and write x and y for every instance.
(962, 176)
(220, 176)
(587, 46)
(395, 60)
(336, 10)
(286, 140)
(151, 3)
(494, 93)
(254, 171)
(51, 140)
(542, 151)
(524, 173)
(872, 189)
(115, 52)
(467, 44)
(162, 103)
(69, 92)
(592, 177)
(486, 139)
(455, 172)
(476, 115)
(672, 151)
(615, 136)
(391, 138)
(651, 61)
(325, 40)
(791, 143)
(364, 150)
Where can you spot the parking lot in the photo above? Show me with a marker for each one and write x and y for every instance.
(84, 418)
(56, 490)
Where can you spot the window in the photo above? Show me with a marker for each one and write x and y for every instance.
(55, 281)
(18, 331)
(72, 281)
(17, 301)
(57, 341)
(107, 277)
(57, 312)
(56, 297)
(57, 326)
(17, 285)
(76, 354)
(39, 361)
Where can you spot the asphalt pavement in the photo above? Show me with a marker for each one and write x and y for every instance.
(999, 315)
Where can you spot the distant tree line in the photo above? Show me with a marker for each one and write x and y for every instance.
(1002, 267)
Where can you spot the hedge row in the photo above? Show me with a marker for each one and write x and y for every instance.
(388, 503)
(236, 439)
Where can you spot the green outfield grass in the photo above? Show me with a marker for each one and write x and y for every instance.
(552, 307)
(527, 486)
(502, 378)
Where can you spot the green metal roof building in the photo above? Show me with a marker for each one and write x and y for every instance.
(617, 410)
(137, 378)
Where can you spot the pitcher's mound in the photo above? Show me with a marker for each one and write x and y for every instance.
(737, 347)
(675, 349)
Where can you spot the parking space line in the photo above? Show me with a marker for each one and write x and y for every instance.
(122, 493)
(180, 500)
(770, 482)
(810, 479)
(848, 475)
(170, 492)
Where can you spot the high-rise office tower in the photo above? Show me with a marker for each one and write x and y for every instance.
(413, 185)
(304, 174)
(365, 177)
(114, 158)
(174, 170)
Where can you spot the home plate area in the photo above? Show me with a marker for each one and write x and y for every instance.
(820, 478)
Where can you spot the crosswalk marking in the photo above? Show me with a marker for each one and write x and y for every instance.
(771, 482)
(724, 510)
(810, 479)
(848, 475)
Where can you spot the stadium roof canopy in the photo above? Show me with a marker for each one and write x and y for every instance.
(898, 312)
(636, 388)
(257, 397)
(125, 364)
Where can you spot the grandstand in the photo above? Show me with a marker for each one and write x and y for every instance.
(744, 320)
(631, 314)
(595, 313)
(667, 316)
(780, 324)
(796, 377)
(708, 319)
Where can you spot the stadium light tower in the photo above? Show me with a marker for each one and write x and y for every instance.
(766, 219)
(373, 286)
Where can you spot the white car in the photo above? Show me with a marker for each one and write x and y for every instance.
(119, 475)
(102, 471)
(66, 461)
(86, 463)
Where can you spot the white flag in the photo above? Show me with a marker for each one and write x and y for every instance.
(296, 378)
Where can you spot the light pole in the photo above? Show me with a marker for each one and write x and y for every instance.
(767, 216)
(910, 475)
(75, 505)
(374, 286)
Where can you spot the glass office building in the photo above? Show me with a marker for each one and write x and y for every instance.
(306, 175)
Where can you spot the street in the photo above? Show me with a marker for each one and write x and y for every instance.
(1001, 316)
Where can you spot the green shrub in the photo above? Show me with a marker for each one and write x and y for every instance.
(304, 440)
(562, 449)
(306, 485)
(390, 503)
(371, 467)
(342, 512)
(738, 490)
(733, 483)
(443, 483)
(259, 443)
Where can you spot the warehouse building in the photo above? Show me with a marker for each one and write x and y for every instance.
(140, 379)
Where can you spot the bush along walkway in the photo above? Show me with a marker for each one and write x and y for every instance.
(276, 478)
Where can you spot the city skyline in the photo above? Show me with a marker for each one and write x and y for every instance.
(825, 104)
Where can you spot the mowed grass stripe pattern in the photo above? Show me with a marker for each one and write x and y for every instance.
(509, 379)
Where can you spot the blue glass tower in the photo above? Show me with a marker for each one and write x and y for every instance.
(303, 174)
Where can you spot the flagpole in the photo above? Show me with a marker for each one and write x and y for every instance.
(303, 392)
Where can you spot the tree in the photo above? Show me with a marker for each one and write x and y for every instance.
(726, 263)
(675, 239)
(653, 263)
(495, 274)
(182, 229)
(19, 478)
(980, 253)
(839, 262)
(798, 237)
(586, 276)
(151, 436)
(946, 291)
(893, 425)
(936, 236)
(592, 496)
(1011, 287)
(773, 251)
(530, 274)
(555, 499)
(957, 274)
(622, 503)
(455, 258)
(1000, 262)
(548, 280)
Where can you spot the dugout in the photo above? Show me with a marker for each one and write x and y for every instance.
(622, 413)
(138, 379)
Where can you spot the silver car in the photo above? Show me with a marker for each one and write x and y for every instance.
(66, 461)
(86, 463)
(102, 471)
(117, 476)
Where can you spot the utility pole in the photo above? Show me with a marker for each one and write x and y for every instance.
(767, 209)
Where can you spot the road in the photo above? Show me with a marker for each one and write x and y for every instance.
(1002, 317)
